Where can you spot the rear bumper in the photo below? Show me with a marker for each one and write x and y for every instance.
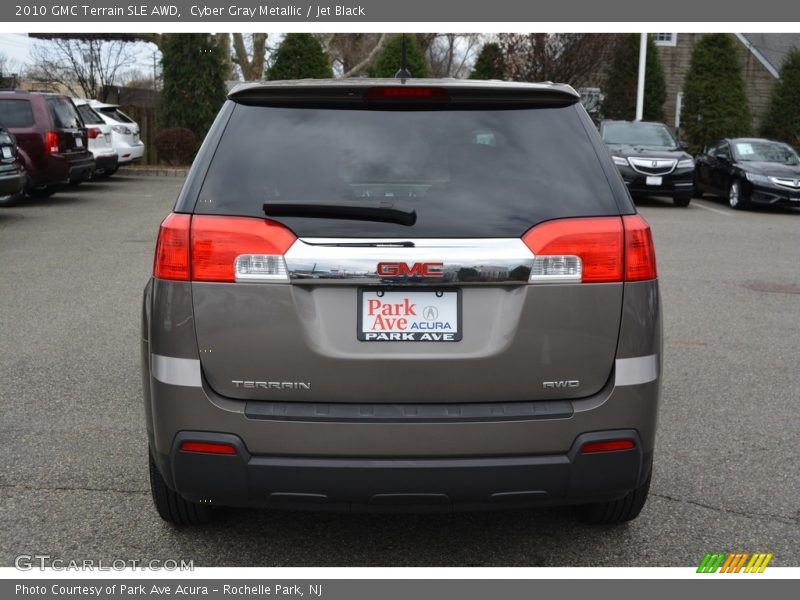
(11, 182)
(106, 162)
(452, 455)
(129, 153)
(430, 484)
(81, 170)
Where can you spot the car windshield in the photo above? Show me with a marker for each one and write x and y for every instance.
(765, 152)
(638, 134)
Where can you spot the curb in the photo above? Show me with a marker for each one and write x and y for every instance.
(153, 171)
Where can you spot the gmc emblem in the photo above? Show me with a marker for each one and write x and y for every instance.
(401, 269)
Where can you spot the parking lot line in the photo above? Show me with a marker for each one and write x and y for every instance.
(724, 213)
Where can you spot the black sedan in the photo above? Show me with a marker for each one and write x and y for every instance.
(650, 159)
(12, 175)
(750, 171)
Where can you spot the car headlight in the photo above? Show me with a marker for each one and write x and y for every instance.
(618, 160)
(755, 178)
(686, 163)
(121, 129)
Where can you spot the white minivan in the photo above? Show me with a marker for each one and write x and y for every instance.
(99, 136)
(124, 132)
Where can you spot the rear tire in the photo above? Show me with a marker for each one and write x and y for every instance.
(42, 192)
(681, 200)
(616, 512)
(171, 506)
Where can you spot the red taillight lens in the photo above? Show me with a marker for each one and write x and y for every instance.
(51, 142)
(607, 446)
(432, 94)
(93, 133)
(208, 448)
(598, 241)
(172, 248)
(218, 241)
(640, 255)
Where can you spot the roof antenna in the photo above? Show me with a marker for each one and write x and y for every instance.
(403, 73)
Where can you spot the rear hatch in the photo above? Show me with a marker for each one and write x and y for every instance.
(69, 133)
(98, 133)
(397, 260)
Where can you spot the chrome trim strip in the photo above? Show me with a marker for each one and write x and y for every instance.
(354, 261)
(787, 182)
(636, 370)
(667, 164)
(176, 371)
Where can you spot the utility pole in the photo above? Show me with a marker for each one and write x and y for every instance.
(640, 89)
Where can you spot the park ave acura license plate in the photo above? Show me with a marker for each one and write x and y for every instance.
(409, 316)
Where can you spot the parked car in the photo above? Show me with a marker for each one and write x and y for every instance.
(51, 139)
(124, 132)
(650, 159)
(412, 296)
(750, 171)
(12, 174)
(99, 135)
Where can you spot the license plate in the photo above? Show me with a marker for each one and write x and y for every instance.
(78, 142)
(6, 152)
(409, 316)
(654, 181)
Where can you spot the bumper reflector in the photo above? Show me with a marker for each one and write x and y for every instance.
(208, 448)
(607, 446)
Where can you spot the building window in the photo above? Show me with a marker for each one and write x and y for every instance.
(665, 39)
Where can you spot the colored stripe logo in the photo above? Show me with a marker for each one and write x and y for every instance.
(737, 562)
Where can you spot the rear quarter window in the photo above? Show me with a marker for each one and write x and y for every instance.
(16, 113)
(116, 114)
(467, 173)
(64, 114)
(89, 116)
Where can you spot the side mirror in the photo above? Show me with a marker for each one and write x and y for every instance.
(683, 145)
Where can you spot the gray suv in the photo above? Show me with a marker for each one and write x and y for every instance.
(402, 295)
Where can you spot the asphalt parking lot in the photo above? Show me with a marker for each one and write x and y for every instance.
(73, 482)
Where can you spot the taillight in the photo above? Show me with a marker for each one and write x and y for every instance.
(226, 249)
(592, 250)
(607, 446)
(585, 250)
(93, 133)
(172, 248)
(51, 142)
(640, 255)
(239, 249)
(208, 448)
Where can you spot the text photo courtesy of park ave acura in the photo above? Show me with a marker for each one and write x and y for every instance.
(399, 299)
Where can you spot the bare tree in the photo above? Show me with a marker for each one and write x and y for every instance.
(452, 54)
(352, 53)
(575, 58)
(250, 54)
(85, 68)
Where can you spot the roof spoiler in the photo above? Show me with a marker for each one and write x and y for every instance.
(345, 95)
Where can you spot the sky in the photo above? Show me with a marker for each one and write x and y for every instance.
(17, 46)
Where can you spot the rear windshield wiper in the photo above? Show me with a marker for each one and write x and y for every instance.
(384, 212)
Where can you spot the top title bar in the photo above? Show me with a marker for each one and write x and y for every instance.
(464, 11)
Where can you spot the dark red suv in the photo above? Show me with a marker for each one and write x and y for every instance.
(51, 138)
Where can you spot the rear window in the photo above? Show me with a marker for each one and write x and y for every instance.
(116, 114)
(89, 116)
(16, 113)
(467, 173)
(64, 114)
